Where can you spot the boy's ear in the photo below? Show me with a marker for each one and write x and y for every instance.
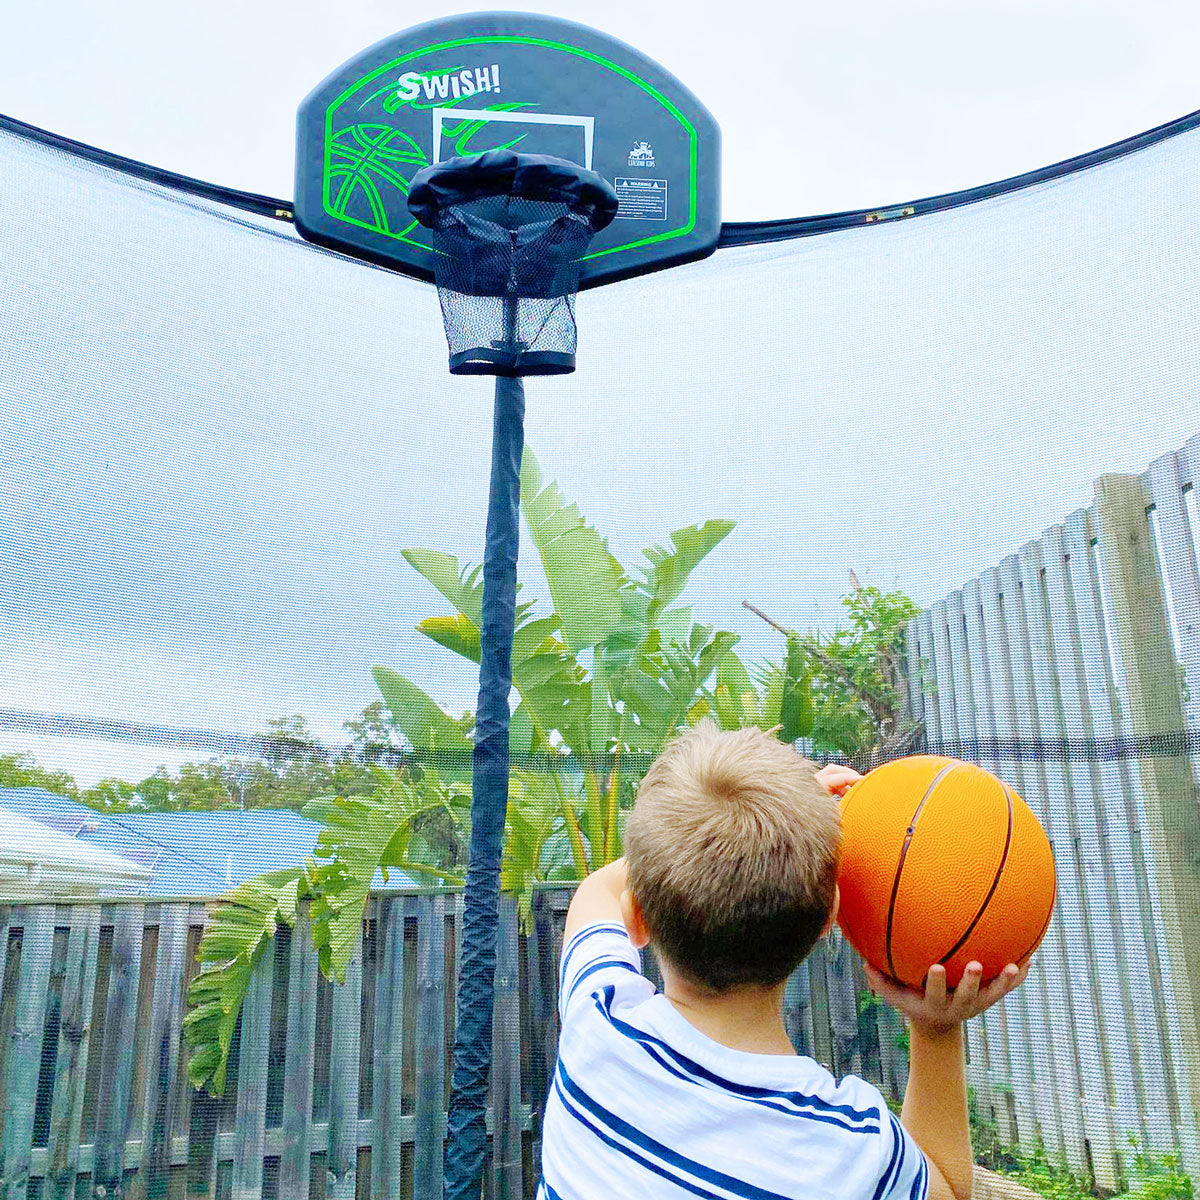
(635, 922)
(833, 911)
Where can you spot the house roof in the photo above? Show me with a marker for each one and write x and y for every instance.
(37, 860)
(186, 853)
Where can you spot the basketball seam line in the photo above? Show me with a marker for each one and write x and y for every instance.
(992, 890)
(908, 837)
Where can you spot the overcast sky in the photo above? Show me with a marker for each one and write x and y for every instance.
(852, 105)
(204, 484)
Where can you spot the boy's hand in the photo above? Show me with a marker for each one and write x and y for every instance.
(838, 779)
(938, 1010)
(598, 898)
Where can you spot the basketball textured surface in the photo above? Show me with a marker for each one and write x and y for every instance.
(942, 863)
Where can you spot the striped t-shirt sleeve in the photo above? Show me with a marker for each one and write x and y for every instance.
(903, 1171)
(595, 956)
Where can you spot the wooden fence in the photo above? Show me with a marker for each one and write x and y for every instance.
(333, 1091)
(1072, 669)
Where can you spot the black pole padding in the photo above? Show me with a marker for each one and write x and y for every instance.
(466, 1145)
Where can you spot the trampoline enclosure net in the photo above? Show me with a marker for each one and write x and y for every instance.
(242, 502)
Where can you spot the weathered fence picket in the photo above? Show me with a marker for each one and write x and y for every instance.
(295, 1163)
(253, 1052)
(116, 1059)
(161, 1052)
(506, 1060)
(1018, 659)
(24, 1053)
(341, 1163)
(388, 1049)
(430, 1109)
(74, 1046)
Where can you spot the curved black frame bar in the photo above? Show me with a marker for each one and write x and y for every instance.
(748, 233)
(733, 233)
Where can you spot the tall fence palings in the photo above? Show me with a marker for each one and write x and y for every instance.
(1072, 670)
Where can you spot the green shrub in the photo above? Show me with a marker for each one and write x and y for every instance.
(1154, 1176)
(1053, 1180)
(1158, 1176)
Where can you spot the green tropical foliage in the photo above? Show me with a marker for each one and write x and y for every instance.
(604, 678)
(239, 931)
(849, 685)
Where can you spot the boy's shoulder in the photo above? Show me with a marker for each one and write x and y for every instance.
(640, 1095)
(600, 980)
(597, 957)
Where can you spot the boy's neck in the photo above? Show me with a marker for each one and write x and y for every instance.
(748, 1018)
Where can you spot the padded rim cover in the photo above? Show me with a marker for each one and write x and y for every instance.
(506, 173)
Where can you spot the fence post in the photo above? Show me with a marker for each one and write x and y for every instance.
(506, 1165)
(429, 1113)
(1142, 636)
(386, 1144)
(253, 1053)
(162, 1050)
(342, 1160)
(295, 1163)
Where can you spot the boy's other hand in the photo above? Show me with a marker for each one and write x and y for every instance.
(838, 779)
(939, 1010)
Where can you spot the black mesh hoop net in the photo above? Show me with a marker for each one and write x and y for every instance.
(508, 233)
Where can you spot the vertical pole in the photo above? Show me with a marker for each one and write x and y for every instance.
(466, 1128)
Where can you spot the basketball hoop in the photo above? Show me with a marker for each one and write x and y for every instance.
(405, 158)
(508, 233)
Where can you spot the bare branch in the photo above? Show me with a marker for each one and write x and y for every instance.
(758, 612)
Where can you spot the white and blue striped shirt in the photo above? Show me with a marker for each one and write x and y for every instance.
(645, 1107)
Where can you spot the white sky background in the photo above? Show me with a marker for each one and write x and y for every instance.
(877, 103)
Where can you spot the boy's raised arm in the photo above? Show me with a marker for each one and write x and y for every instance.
(935, 1103)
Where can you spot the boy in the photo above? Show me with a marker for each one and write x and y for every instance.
(731, 874)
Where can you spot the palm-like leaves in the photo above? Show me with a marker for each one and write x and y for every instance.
(612, 672)
(239, 932)
(362, 836)
(430, 731)
(585, 580)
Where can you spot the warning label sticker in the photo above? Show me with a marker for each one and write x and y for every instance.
(641, 199)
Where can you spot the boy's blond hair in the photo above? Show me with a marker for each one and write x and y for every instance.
(733, 849)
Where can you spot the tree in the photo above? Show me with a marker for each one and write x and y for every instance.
(294, 769)
(111, 795)
(855, 679)
(20, 770)
(374, 738)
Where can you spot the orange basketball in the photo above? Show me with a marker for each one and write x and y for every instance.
(942, 863)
